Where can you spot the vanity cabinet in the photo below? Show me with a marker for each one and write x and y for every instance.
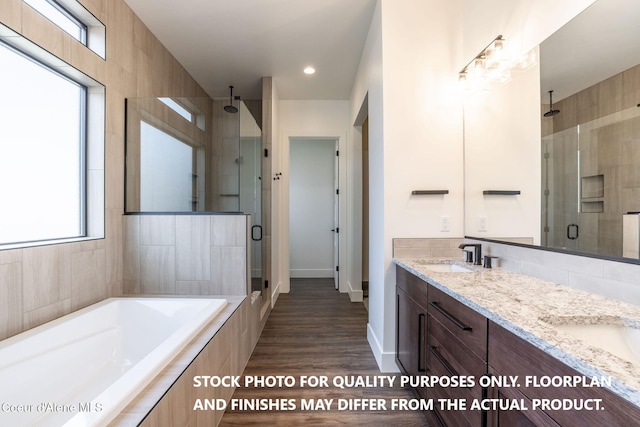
(437, 335)
(411, 324)
(456, 347)
(511, 355)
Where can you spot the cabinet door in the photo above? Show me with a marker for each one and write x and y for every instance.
(514, 417)
(411, 325)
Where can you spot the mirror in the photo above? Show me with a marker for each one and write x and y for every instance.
(578, 170)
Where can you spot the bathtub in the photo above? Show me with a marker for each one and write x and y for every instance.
(84, 368)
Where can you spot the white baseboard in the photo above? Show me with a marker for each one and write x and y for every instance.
(386, 360)
(356, 295)
(275, 293)
(303, 273)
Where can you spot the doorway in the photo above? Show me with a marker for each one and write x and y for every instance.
(313, 208)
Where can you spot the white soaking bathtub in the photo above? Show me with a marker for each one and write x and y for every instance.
(84, 368)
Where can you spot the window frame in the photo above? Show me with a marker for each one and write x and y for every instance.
(82, 144)
(93, 130)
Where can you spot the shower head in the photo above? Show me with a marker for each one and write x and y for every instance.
(230, 108)
(551, 111)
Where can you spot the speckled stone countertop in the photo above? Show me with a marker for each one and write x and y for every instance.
(530, 307)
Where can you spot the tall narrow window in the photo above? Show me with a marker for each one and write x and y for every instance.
(42, 151)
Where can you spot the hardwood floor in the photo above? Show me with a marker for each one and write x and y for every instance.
(315, 330)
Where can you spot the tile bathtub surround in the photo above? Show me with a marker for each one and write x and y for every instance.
(222, 348)
(41, 284)
(186, 254)
(527, 305)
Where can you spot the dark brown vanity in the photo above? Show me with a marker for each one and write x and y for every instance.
(438, 335)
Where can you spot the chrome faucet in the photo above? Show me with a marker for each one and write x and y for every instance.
(477, 251)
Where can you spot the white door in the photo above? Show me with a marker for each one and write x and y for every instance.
(312, 198)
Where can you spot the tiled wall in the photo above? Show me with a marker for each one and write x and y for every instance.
(40, 284)
(427, 248)
(186, 254)
(612, 279)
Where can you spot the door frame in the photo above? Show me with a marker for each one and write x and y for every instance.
(287, 136)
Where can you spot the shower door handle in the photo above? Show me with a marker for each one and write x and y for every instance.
(571, 236)
(253, 234)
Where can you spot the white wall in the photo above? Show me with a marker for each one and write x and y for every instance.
(409, 74)
(524, 23)
(311, 207)
(320, 119)
(502, 125)
(504, 157)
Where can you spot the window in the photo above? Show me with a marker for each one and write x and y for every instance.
(61, 17)
(42, 151)
(74, 19)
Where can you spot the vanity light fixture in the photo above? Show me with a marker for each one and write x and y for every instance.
(494, 65)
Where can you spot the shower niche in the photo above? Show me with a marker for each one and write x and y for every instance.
(195, 155)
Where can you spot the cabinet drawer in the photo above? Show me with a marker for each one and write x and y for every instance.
(513, 417)
(511, 355)
(447, 356)
(454, 418)
(464, 323)
(414, 286)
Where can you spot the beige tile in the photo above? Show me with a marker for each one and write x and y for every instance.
(131, 260)
(11, 304)
(114, 246)
(193, 247)
(229, 230)
(10, 256)
(10, 13)
(47, 313)
(157, 269)
(45, 275)
(194, 287)
(88, 278)
(45, 33)
(157, 230)
(228, 271)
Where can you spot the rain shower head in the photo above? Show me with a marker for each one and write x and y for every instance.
(551, 111)
(230, 108)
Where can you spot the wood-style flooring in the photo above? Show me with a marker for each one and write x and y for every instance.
(315, 330)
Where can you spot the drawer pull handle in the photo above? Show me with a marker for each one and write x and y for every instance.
(446, 314)
(421, 319)
(441, 359)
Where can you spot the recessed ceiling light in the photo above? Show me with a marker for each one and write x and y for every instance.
(309, 70)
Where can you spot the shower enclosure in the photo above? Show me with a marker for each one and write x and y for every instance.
(590, 181)
(195, 155)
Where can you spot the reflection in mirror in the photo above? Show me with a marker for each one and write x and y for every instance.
(586, 168)
(591, 147)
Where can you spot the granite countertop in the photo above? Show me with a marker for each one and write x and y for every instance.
(530, 307)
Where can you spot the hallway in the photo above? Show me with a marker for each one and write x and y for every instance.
(315, 330)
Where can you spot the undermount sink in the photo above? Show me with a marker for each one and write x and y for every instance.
(616, 338)
(448, 268)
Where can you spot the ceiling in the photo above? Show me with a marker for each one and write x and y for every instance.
(600, 42)
(237, 42)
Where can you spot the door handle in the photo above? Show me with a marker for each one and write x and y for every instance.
(572, 236)
(253, 234)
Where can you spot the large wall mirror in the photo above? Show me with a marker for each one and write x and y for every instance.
(565, 172)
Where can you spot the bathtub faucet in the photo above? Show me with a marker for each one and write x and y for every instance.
(477, 251)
